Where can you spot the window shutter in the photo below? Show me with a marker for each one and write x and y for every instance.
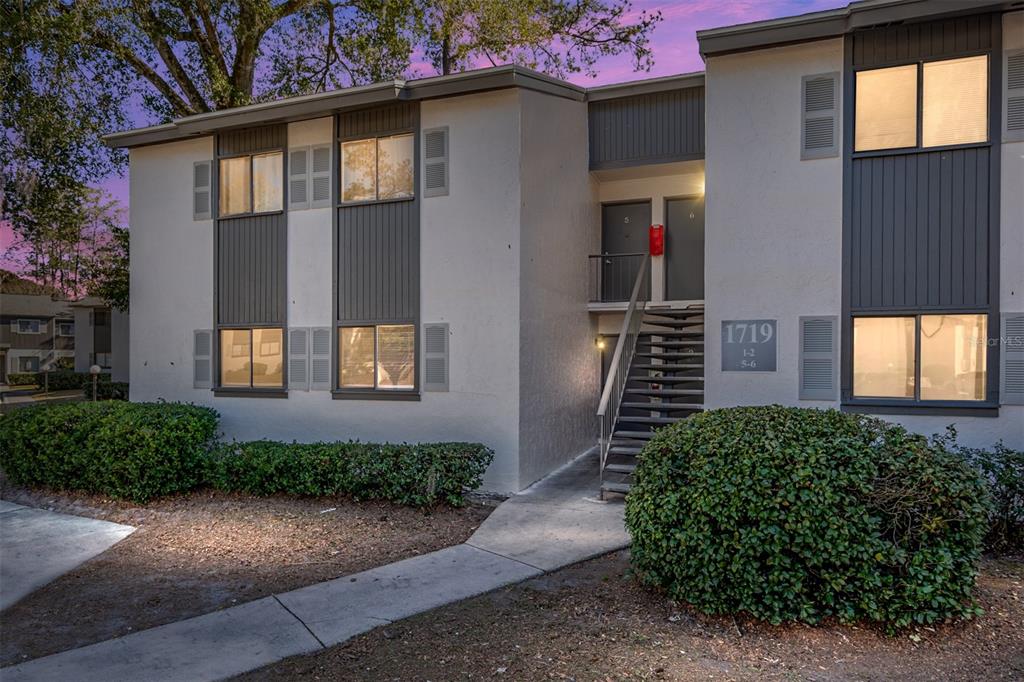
(321, 176)
(298, 178)
(435, 357)
(298, 358)
(202, 185)
(435, 162)
(202, 358)
(819, 130)
(1011, 391)
(1014, 97)
(818, 363)
(320, 359)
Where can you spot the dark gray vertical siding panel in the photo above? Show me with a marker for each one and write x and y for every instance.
(920, 230)
(366, 122)
(647, 128)
(251, 270)
(924, 40)
(378, 262)
(251, 140)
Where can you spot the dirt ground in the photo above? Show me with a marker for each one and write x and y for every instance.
(592, 621)
(205, 551)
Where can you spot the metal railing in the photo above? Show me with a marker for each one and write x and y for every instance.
(612, 276)
(618, 370)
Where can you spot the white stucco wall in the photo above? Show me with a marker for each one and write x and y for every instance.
(558, 369)
(774, 229)
(773, 225)
(171, 271)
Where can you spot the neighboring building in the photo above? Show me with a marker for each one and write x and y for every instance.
(37, 329)
(442, 259)
(102, 339)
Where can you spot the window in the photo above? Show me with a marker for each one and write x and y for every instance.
(382, 357)
(886, 108)
(101, 359)
(65, 329)
(955, 102)
(28, 364)
(251, 184)
(377, 168)
(28, 327)
(950, 349)
(953, 110)
(251, 358)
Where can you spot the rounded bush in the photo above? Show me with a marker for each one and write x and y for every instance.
(800, 514)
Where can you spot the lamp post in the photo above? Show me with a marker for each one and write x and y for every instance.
(95, 372)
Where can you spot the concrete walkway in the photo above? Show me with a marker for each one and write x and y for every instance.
(37, 546)
(553, 524)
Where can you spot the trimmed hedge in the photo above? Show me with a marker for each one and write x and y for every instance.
(65, 380)
(799, 514)
(412, 474)
(139, 451)
(109, 390)
(134, 451)
(21, 379)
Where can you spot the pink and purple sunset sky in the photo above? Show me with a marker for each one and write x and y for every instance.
(673, 41)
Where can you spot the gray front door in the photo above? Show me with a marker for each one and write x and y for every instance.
(684, 249)
(623, 230)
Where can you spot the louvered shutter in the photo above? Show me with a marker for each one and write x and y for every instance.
(298, 358)
(202, 187)
(819, 130)
(818, 358)
(202, 358)
(435, 357)
(320, 359)
(321, 176)
(298, 178)
(1011, 390)
(1014, 110)
(435, 162)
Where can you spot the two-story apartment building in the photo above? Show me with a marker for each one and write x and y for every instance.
(37, 328)
(829, 216)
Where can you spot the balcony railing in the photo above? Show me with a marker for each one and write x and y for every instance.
(612, 276)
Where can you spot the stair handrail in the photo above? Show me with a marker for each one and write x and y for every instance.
(618, 370)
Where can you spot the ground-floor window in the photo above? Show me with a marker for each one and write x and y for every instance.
(252, 358)
(922, 357)
(379, 356)
(28, 364)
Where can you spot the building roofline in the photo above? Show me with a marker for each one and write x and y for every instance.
(645, 86)
(833, 23)
(305, 107)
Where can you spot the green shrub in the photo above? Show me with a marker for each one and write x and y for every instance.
(413, 474)
(797, 514)
(64, 380)
(134, 451)
(21, 379)
(109, 390)
(1002, 469)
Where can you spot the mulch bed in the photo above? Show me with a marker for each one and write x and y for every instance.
(593, 621)
(205, 551)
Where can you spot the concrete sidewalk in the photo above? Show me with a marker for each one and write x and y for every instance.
(553, 524)
(37, 546)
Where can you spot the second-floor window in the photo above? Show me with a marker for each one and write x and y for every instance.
(951, 107)
(251, 184)
(377, 168)
(65, 329)
(28, 327)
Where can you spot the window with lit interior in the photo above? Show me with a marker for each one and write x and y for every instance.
(377, 169)
(251, 184)
(251, 358)
(377, 357)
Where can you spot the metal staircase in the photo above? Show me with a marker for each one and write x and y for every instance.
(656, 378)
(664, 384)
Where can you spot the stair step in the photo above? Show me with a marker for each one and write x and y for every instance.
(665, 391)
(669, 356)
(671, 367)
(672, 324)
(614, 487)
(648, 379)
(648, 420)
(621, 468)
(670, 334)
(670, 344)
(676, 314)
(658, 407)
(632, 435)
